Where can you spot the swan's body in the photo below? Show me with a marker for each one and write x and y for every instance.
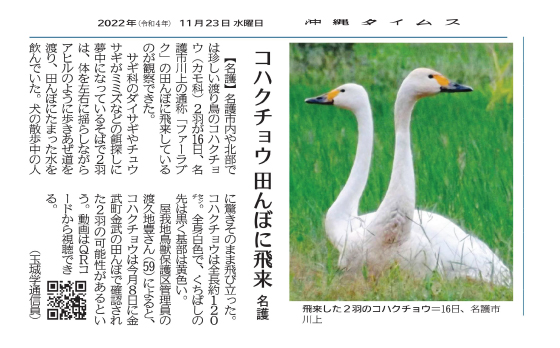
(435, 243)
(419, 241)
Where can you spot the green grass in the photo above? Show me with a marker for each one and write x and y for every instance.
(463, 159)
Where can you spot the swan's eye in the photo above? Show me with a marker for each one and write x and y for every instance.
(342, 90)
(431, 76)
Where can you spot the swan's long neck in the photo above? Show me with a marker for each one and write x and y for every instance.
(402, 175)
(347, 202)
(397, 208)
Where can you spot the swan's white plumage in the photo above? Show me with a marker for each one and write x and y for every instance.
(435, 244)
(419, 241)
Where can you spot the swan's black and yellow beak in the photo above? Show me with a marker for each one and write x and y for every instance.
(449, 86)
(453, 87)
(322, 99)
(325, 99)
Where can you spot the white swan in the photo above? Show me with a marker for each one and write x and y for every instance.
(420, 241)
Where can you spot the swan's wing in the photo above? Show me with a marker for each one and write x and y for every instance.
(438, 243)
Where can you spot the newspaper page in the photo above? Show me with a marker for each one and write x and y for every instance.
(270, 174)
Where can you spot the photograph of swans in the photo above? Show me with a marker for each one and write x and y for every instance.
(401, 172)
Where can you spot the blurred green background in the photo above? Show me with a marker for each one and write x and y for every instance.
(463, 159)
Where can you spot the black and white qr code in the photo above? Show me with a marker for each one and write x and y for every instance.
(66, 300)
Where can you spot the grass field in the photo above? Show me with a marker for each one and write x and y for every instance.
(463, 159)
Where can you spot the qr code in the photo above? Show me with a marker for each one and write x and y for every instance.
(66, 300)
